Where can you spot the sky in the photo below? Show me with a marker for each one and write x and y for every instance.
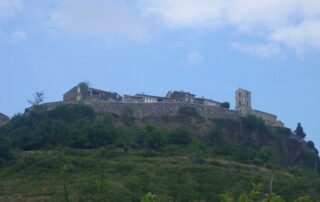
(207, 47)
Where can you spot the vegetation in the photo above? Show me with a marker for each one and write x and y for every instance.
(225, 105)
(38, 98)
(299, 131)
(73, 154)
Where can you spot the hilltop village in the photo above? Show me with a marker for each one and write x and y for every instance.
(83, 93)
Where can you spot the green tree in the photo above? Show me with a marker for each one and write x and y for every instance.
(38, 98)
(299, 131)
(225, 105)
(149, 197)
(304, 199)
(180, 136)
(5, 153)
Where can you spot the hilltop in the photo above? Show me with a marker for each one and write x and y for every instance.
(71, 151)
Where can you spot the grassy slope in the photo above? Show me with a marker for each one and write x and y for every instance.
(197, 169)
(40, 175)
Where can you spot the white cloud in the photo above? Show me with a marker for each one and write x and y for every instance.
(261, 50)
(195, 57)
(9, 8)
(104, 18)
(293, 23)
(186, 13)
(300, 37)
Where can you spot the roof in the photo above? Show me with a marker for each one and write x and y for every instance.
(101, 91)
(207, 99)
(264, 112)
(241, 89)
(134, 96)
(145, 95)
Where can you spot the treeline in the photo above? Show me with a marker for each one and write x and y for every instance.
(77, 126)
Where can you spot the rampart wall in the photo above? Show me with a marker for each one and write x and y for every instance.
(142, 110)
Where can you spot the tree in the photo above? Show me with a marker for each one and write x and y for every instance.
(225, 105)
(38, 98)
(149, 197)
(299, 131)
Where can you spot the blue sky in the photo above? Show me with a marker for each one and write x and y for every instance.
(208, 47)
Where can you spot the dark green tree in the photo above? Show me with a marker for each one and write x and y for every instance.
(225, 105)
(299, 131)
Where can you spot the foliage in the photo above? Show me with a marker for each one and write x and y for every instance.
(252, 122)
(5, 153)
(180, 136)
(109, 174)
(38, 98)
(225, 105)
(299, 131)
(104, 158)
(149, 197)
(304, 199)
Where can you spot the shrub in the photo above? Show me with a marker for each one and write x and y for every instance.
(180, 136)
(225, 105)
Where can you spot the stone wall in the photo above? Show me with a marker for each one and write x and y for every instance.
(3, 119)
(268, 118)
(141, 110)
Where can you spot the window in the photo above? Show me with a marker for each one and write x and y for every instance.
(79, 90)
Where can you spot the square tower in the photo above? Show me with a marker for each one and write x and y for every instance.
(243, 101)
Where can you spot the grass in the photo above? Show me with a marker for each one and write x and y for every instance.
(110, 174)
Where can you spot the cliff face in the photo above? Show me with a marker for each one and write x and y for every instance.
(249, 139)
(286, 149)
(3, 119)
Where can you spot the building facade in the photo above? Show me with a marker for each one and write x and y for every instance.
(181, 96)
(207, 102)
(243, 106)
(243, 101)
(83, 92)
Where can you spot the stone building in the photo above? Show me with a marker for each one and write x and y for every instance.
(3, 119)
(83, 92)
(243, 106)
(207, 102)
(143, 98)
(132, 99)
(150, 98)
(243, 101)
(181, 96)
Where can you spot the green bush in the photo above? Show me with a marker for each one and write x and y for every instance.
(179, 136)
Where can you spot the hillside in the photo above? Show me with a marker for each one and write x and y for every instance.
(72, 153)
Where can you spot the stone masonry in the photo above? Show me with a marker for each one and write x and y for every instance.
(142, 110)
(144, 105)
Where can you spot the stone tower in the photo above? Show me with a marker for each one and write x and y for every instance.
(243, 101)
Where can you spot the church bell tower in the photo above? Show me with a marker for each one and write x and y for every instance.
(243, 101)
